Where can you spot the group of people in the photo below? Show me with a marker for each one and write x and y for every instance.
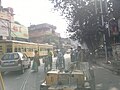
(60, 61)
(78, 55)
(48, 60)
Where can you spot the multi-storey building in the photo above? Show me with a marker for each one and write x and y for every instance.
(10, 29)
(42, 33)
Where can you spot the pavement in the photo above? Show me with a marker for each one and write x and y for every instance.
(102, 62)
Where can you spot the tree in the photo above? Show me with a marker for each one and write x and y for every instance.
(85, 19)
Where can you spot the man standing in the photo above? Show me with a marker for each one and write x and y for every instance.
(79, 56)
(72, 55)
(60, 62)
(50, 58)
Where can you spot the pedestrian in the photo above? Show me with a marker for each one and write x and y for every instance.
(60, 62)
(36, 62)
(72, 55)
(50, 58)
(79, 57)
(45, 61)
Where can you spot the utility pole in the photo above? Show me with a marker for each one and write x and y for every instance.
(95, 6)
(9, 29)
(103, 24)
(0, 2)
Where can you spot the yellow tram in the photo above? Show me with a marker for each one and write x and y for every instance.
(26, 47)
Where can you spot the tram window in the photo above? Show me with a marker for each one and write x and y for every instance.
(15, 49)
(19, 50)
(29, 49)
(40, 49)
(9, 50)
(0, 48)
(25, 49)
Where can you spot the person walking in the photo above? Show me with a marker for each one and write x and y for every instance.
(36, 62)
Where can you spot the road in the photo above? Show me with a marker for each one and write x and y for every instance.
(105, 79)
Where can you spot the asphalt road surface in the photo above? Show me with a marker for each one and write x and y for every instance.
(105, 79)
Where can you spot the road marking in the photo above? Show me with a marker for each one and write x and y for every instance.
(113, 88)
(18, 78)
(25, 82)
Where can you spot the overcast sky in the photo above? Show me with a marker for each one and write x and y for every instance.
(36, 12)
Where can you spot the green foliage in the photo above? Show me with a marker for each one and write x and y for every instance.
(50, 39)
(17, 22)
(114, 8)
(85, 19)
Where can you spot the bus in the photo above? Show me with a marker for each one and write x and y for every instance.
(28, 48)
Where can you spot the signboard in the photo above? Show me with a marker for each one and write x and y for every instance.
(4, 28)
(6, 16)
(19, 31)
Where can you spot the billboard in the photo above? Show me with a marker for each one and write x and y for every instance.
(19, 31)
(4, 28)
(6, 16)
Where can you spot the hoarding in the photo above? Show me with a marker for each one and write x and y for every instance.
(19, 31)
(4, 28)
(6, 16)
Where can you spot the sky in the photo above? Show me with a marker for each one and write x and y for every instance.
(36, 12)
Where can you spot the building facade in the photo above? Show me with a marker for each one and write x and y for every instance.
(10, 29)
(42, 33)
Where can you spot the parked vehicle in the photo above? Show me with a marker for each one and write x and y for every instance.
(14, 62)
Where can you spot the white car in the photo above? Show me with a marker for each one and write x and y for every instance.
(16, 61)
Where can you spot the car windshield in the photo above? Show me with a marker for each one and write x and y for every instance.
(10, 56)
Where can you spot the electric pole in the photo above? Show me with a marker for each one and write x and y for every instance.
(103, 24)
(0, 2)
